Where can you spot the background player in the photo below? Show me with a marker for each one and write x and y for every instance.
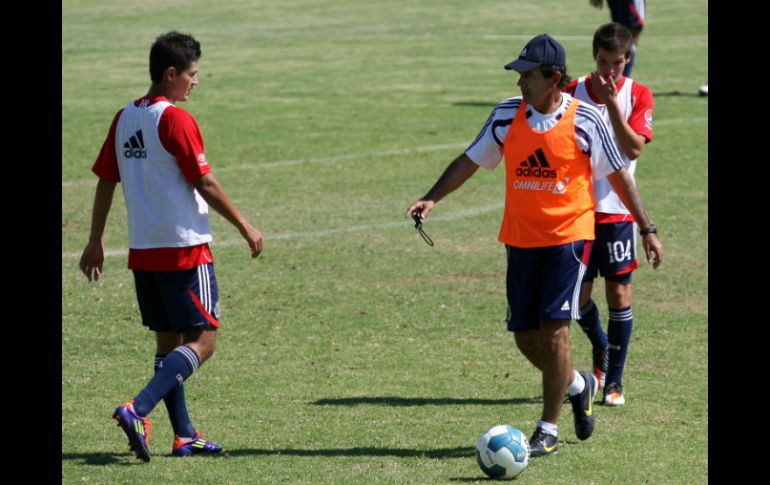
(627, 108)
(630, 13)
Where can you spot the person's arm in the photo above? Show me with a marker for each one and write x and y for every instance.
(626, 189)
(460, 170)
(92, 259)
(214, 195)
(630, 142)
(596, 3)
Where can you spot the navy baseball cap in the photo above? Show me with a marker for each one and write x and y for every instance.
(543, 49)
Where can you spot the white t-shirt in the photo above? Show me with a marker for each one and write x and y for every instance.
(591, 134)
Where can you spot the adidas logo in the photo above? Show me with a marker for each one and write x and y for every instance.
(134, 147)
(535, 167)
(565, 306)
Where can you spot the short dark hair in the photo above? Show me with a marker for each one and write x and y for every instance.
(172, 49)
(611, 37)
(548, 71)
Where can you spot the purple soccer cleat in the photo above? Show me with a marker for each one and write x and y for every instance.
(137, 429)
(198, 445)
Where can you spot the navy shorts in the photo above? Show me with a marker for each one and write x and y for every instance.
(544, 283)
(178, 301)
(614, 253)
(630, 13)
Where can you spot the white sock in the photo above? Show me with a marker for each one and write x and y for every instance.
(548, 428)
(577, 385)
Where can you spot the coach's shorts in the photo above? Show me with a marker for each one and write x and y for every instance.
(544, 283)
(614, 253)
(627, 12)
(178, 301)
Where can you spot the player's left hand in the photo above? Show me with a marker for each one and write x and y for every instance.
(653, 249)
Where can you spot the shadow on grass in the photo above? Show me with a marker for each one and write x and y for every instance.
(422, 401)
(101, 459)
(459, 452)
(482, 479)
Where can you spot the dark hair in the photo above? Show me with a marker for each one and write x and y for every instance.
(548, 71)
(611, 37)
(172, 49)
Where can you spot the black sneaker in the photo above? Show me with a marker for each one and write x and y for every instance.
(542, 444)
(601, 363)
(582, 407)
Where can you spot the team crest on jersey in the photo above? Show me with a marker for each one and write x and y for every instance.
(202, 159)
(648, 117)
(560, 189)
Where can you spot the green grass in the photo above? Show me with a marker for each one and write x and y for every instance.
(351, 352)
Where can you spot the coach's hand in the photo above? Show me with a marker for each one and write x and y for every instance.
(423, 207)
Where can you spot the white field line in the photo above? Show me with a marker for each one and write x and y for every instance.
(676, 121)
(462, 214)
(299, 161)
(350, 156)
(347, 156)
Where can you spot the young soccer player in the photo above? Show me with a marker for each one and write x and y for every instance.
(155, 149)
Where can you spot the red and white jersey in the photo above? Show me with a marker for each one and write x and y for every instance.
(155, 149)
(636, 104)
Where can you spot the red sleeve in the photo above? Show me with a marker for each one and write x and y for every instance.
(181, 137)
(571, 87)
(641, 114)
(106, 164)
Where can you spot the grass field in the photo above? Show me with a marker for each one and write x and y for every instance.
(350, 351)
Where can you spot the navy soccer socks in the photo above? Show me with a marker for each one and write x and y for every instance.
(619, 335)
(172, 372)
(591, 324)
(176, 406)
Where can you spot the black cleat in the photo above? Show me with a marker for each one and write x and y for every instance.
(542, 444)
(582, 407)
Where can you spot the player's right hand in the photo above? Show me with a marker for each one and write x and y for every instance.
(423, 207)
(92, 260)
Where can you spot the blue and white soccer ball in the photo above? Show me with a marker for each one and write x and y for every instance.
(502, 452)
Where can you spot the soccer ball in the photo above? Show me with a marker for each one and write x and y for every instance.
(502, 452)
